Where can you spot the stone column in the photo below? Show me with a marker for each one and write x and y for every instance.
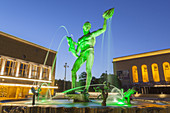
(50, 73)
(40, 72)
(30, 70)
(17, 92)
(17, 70)
(3, 66)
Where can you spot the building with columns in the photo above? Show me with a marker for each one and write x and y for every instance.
(149, 71)
(24, 65)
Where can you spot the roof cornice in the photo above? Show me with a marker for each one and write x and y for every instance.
(141, 55)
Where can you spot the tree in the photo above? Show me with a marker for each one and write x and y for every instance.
(93, 82)
(117, 82)
(60, 84)
(103, 78)
(82, 79)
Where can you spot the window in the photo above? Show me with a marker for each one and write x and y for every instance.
(35, 72)
(135, 74)
(122, 75)
(144, 73)
(155, 72)
(10, 68)
(24, 70)
(45, 73)
(166, 69)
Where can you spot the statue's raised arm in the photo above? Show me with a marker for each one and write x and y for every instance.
(106, 15)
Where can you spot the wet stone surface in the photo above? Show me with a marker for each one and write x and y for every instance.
(65, 106)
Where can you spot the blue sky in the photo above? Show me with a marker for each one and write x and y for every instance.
(137, 26)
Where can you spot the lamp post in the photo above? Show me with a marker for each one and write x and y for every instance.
(106, 76)
(65, 66)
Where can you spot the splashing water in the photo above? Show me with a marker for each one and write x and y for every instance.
(102, 46)
(48, 90)
(116, 99)
(73, 89)
(117, 94)
(53, 65)
(61, 43)
(54, 61)
(53, 39)
(108, 43)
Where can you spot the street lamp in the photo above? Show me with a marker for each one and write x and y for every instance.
(106, 76)
(65, 66)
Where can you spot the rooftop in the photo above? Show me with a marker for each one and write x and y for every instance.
(24, 41)
(141, 55)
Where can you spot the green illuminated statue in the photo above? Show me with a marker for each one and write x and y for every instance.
(85, 46)
(127, 95)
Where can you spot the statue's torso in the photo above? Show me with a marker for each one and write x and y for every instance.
(86, 41)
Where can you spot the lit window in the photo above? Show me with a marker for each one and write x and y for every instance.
(144, 73)
(166, 69)
(35, 72)
(10, 68)
(45, 74)
(135, 74)
(155, 72)
(24, 70)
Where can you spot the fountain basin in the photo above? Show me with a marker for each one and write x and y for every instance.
(68, 106)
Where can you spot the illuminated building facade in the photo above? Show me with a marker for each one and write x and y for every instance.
(149, 71)
(22, 67)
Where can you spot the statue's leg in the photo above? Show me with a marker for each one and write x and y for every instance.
(89, 64)
(128, 100)
(78, 63)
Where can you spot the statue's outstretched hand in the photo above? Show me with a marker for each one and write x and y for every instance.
(108, 14)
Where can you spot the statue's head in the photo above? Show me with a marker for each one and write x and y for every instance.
(87, 26)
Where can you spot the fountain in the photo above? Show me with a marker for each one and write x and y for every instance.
(85, 46)
(110, 98)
